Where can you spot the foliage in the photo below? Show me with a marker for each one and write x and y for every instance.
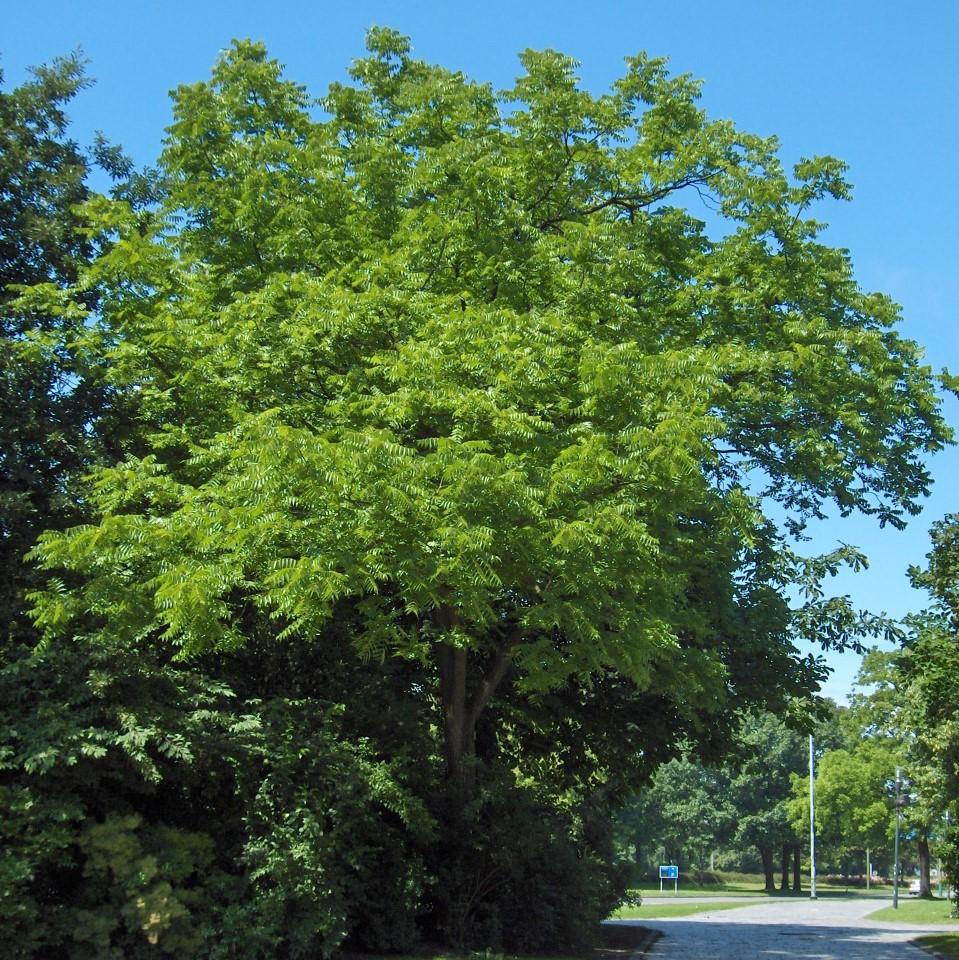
(465, 359)
(853, 810)
(941, 577)
(854, 774)
(928, 673)
(692, 810)
(886, 729)
(761, 787)
(685, 813)
(148, 810)
(78, 757)
(949, 855)
(888, 715)
(930, 663)
(327, 841)
(519, 875)
(43, 440)
(58, 416)
(433, 519)
(135, 889)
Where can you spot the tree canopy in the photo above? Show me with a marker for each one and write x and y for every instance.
(454, 423)
(468, 360)
(887, 728)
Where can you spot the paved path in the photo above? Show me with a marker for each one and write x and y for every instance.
(788, 930)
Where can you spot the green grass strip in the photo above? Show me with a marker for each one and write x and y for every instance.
(941, 944)
(653, 911)
(917, 911)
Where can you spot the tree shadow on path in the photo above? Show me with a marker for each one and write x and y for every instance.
(698, 940)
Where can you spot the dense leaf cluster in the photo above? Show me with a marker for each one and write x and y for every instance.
(151, 810)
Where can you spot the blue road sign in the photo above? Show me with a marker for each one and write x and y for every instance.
(668, 872)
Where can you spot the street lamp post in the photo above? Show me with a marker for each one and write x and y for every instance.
(895, 869)
(812, 819)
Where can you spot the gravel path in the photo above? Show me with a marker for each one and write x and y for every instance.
(799, 929)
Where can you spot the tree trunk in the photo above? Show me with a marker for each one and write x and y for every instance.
(797, 879)
(925, 883)
(784, 886)
(459, 740)
(460, 711)
(768, 868)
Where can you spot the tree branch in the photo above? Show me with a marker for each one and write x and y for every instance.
(632, 203)
(493, 678)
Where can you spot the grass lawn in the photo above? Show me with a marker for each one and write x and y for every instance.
(654, 911)
(941, 944)
(752, 885)
(918, 911)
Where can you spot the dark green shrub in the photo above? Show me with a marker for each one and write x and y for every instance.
(143, 891)
(523, 877)
(146, 811)
(328, 831)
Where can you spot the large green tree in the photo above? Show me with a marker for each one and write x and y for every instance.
(473, 361)
(500, 386)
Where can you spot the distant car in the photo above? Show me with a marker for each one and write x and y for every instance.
(914, 886)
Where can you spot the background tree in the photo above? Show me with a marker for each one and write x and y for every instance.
(929, 661)
(885, 715)
(928, 672)
(683, 817)
(853, 811)
(48, 413)
(48, 406)
(771, 755)
(885, 729)
(691, 810)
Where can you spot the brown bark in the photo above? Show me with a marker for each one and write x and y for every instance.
(460, 712)
(768, 868)
(797, 880)
(457, 735)
(784, 885)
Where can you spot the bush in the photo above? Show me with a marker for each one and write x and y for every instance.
(522, 877)
(147, 811)
(329, 833)
(142, 893)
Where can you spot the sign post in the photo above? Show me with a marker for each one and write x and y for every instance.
(669, 872)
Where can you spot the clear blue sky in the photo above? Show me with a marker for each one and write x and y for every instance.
(871, 82)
